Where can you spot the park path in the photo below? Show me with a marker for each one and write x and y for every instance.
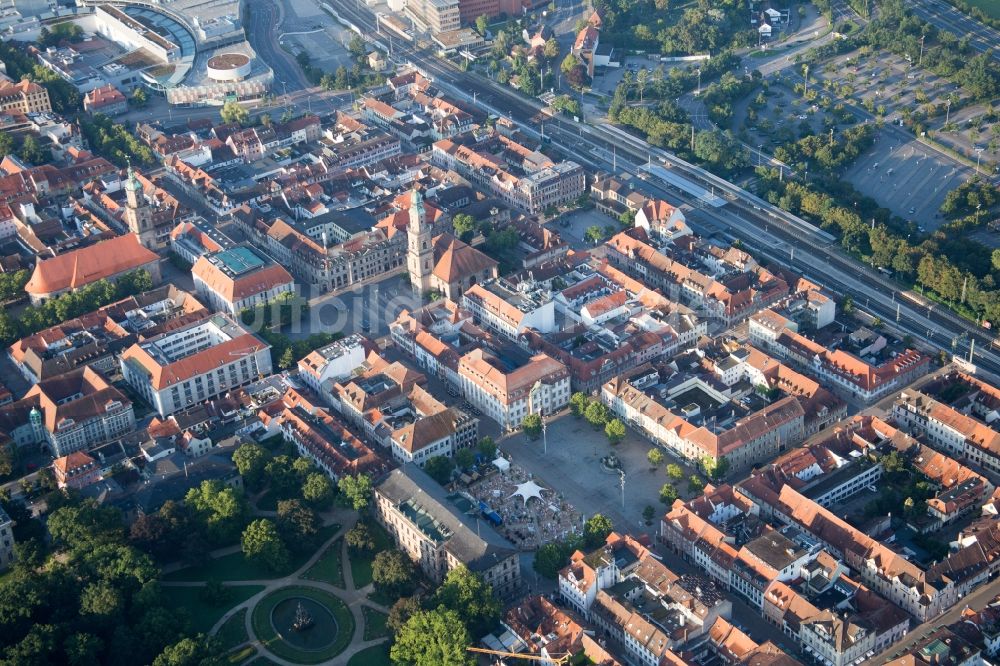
(354, 598)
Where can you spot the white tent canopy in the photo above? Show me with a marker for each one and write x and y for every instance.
(527, 490)
(501, 464)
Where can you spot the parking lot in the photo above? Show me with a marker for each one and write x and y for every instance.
(308, 28)
(908, 178)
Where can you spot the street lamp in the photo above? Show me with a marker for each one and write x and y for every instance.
(531, 410)
(621, 474)
(979, 154)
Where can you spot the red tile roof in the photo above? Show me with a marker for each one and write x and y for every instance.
(79, 268)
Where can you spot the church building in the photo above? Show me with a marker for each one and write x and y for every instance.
(442, 263)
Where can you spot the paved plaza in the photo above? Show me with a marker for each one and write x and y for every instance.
(573, 467)
(528, 521)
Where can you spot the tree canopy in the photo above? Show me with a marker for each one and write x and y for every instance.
(433, 638)
(468, 595)
(596, 530)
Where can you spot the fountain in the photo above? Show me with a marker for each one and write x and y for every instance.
(304, 623)
(303, 620)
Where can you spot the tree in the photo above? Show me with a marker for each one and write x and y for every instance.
(568, 63)
(487, 448)
(550, 557)
(139, 97)
(615, 431)
(720, 150)
(261, 542)
(551, 49)
(596, 530)
(641, 81)
(893, 463)
(400, 612)
(648, 513)
(317, 489)
(440, 469)
(465, 458)
(847, 304)
(469, 595)
(357, 489)
(596, 413)
(341, 80)
(532, 426)
(6, 143)
(482, 24)
(32, 152)
(298, 525)
(578, 402)
(219, 509)
(655, 456)
(82, 649)
(85, 525)
(356, 46)
(250, 459)
(287, 359)
(715, 468)
(432, 638)
(392, 572)
(464, 224)
(668, 494)
(101, 600)
(198, 651)
(695, 484)
(594, 234)
(233, 113)
(359, 538)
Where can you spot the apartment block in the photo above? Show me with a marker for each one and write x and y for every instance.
(193, 363)
(539, 385)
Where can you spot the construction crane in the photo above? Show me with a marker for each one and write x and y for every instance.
(530, 657)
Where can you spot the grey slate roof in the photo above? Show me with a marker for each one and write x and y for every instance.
(478, 546)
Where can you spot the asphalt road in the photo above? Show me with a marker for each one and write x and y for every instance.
(976, 600)
(759, 224)
(945, 17)
(262, 34)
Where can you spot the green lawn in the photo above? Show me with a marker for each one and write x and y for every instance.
(377, 655)
(361, 566)
(375, 623)
(235, 567)
(204, 616)
(265, 632)
(328, 568)
(382, 598)
(242, 655)
(234, 631)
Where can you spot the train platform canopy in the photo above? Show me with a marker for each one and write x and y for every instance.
(685, 185)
